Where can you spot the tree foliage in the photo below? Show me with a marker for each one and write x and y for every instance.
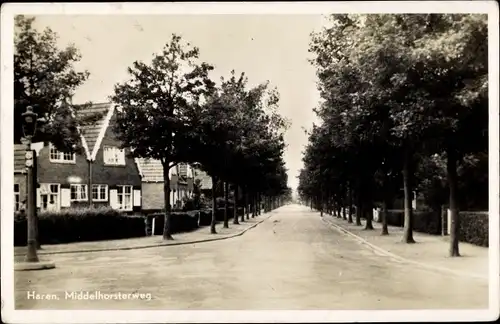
(44, 78)
(170, 110)
(155, 105)
(397, 89)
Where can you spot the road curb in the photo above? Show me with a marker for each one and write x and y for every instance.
(399, 258)
(158, 244)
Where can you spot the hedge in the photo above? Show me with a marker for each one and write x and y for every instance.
(82, 224)
(188, 221)
(179, 222)
(473, 225)
(104, 223)
(423, 221)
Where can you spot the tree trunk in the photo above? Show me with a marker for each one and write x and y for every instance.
(358, 209)
(252, 206)
(407, 182)
(256, 204)
(451, 170)
(368, 217)
(236, 196)
(349, 203)
(235, 218)
(259, 204)
(368, 205)
(247, 206)
(385, 229)
(166, 197)
(214, 206)
(226, 203)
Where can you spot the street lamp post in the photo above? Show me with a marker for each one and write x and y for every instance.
(31, 260)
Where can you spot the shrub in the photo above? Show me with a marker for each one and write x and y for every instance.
(190, 204)
(179, 222)
(426, 221)
(205, 217)
(473, 225)
(395, 217)
(79, 225)
(474, 228)
(221, 202)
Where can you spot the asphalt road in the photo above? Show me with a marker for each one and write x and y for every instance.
(290, 261)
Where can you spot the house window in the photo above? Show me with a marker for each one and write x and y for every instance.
(49, 194)
(61, 157)
(124, 197)
(17, 197)
(99, 192)
(78, 192)
(183, 170)
(114, 155)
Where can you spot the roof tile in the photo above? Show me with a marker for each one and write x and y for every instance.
(151, 169)
(91, 132)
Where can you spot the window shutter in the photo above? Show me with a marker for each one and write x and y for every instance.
(113, 198)
(137, 198)
(38, 198)
(65, 197)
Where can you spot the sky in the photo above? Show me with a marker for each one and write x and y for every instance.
(265, 47)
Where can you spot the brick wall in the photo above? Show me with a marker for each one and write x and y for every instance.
(127, 174)
(152, 196)
(20, 179)
(53, 172)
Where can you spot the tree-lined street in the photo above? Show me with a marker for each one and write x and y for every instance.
(404, 109)
(289, 261)
(223, 163)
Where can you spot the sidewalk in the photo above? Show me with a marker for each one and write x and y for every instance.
(430, 251)
(199, 235)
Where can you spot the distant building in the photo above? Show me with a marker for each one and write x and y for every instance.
(181, 184)
(206, 180)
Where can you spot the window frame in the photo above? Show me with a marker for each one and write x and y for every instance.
(86, 191)
(60, 156)
(99, 187)
(123, 193)
(114, 149)
(49, 193)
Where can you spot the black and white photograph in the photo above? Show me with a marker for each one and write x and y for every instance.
(250, 162)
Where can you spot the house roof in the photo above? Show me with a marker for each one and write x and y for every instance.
(94, 133)
(151, 170)
(19, 158)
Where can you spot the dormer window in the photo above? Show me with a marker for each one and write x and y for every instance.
(114, 155)
(60, 157)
